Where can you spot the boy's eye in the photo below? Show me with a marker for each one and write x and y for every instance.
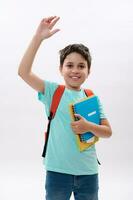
(69, 65)
(81, 66)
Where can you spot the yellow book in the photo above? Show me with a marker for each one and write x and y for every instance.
(89, 109)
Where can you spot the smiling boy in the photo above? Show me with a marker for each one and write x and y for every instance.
(67, 169)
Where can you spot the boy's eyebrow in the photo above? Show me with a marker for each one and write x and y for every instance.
(69, 62)
(82, 63)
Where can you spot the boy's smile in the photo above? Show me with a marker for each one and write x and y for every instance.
(74, 70)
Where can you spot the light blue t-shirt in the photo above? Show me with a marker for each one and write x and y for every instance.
(63, 154)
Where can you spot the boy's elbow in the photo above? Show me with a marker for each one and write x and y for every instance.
(107, 128)
(19, 72)
(109, 134)
(22, 74)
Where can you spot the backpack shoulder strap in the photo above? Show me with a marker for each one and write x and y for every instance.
(88, 92)
(56, 99)
(54, 105)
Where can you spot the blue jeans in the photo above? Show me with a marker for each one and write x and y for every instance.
(60, 186)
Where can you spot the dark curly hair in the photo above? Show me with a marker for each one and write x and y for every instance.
(78, 48)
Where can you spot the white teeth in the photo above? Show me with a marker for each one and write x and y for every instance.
(74, 77)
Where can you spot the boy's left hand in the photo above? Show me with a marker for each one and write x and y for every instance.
(81, 126)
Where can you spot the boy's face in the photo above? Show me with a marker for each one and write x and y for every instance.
(74, 70)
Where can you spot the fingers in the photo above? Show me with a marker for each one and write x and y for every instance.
(54, 31)
(53, 22)
(48, 19)
(48, 24)
(76, 130)
(77, 117)
(75, 127)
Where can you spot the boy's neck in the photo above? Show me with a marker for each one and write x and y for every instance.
(73, 89)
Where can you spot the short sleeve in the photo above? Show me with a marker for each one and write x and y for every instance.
(41, 97)
(46, 97)
(102, 114)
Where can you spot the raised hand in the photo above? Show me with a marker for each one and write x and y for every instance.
(45, 28)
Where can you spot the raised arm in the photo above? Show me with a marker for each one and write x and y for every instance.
(44, 31)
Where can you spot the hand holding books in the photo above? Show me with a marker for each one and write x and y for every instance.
(80, 125)
(85, 111)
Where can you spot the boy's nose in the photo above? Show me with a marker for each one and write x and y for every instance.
(75, 69)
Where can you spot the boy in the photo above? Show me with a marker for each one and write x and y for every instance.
(67, 169)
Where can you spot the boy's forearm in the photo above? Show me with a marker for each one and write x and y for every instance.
(100, 130)
(25, 66)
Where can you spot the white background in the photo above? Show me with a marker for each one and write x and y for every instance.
(106, 27)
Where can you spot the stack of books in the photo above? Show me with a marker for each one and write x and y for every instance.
(89, 109)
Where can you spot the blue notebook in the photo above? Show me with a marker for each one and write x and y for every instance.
(89, 109)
